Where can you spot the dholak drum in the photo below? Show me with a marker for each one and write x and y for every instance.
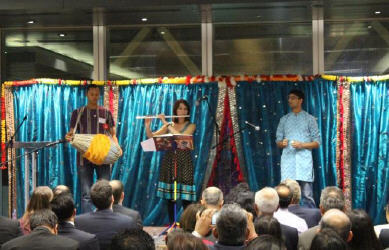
(97, 148)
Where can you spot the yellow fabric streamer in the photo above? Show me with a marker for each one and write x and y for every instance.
(98, 149)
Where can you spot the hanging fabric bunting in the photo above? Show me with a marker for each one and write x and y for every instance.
(343, 149)
(226, 171)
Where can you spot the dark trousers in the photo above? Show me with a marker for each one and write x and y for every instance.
(85, 175)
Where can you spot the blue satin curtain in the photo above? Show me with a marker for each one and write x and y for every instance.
(139, 171)
(48, 109)
(264, 104)
(370, 151)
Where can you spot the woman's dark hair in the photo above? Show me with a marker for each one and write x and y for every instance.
(185, 241)
(364, 236)
(266, 224)
(232, 196)
(328, 239)
(175, 107)
(40, 199)
(265, 242)
(188, 217)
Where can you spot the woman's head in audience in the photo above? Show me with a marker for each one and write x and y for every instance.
(266, 224)
(188, 217)
(246, 201)
(40, 199)
(266, 242)
(328, 239)
(132, 239)
(362, 228)
(231, 197)
(185, 241)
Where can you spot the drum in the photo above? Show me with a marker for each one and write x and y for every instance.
(97, 148)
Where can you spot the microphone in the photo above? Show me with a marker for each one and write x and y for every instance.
(257, 128)
(55, 142)
(25, 118)
(202, 98)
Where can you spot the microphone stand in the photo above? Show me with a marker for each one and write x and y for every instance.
(49, 144)
(10, 142)
(214, 121)
(229, 136)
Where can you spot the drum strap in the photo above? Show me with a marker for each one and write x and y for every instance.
(79, 117)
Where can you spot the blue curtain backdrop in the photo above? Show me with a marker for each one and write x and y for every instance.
(48, 109)
(370, 152)
(264, 104)
(138, 170)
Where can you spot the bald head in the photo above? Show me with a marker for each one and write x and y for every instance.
(61, 189)
(212, 197)
(284, 194)
(338, 221)
(266, 200)
(294, 189)
(117, 191)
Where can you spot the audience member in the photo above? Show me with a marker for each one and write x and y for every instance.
(246, 201)
(63, 206)
(61, 189)
(266, 242)
(266, 203)
(337, 221)
(266, 224)
(188, 217)
(212, 197)
(330, 198)
(231, 228)
(185, 241)
(311, 216)
(328, 239)
(43, 224)
(234, 193)
(364, 236)
(283, 215)
(118, 197)
(9, 229)
(132, 239)
(104, 223)
(40, 199)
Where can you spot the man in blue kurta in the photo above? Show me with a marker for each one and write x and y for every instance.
(297, 135)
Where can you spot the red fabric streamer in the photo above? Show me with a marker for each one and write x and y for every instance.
(111, 97)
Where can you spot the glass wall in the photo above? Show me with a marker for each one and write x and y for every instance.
(356, 48)
(59, 53)
(154, 51)
(263, 49)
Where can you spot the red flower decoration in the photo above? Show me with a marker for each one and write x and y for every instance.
(105, 126)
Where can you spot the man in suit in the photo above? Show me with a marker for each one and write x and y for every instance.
(9, 229)
(63, 206)
(311, 216)
(266, 203)
(283, 215)
(330, 198)
(118, 197)
(104, 223)
(44, 236)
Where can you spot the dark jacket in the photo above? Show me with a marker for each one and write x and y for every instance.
(312, 216)
(384, 238)
(105, 224)
(41, 239)
(86, 240)
(128, 212)
(290, 235)
(9, 229)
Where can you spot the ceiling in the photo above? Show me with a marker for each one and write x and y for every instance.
(54, 13)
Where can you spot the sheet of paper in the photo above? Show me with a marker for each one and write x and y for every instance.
(148, 145)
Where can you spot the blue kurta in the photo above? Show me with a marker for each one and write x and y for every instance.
(296, 164)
